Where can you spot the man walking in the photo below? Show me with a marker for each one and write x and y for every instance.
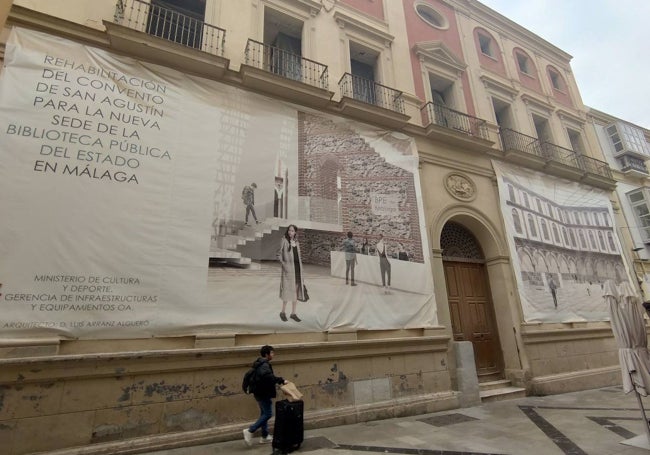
(264, 392)
(248, 197)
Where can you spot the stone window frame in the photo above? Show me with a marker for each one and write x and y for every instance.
(439, 60)
(370, 33)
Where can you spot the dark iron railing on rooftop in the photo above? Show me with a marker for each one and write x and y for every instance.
(438, 114)
(371, 92)
(286, 64)
(514, 140)
(170, 25)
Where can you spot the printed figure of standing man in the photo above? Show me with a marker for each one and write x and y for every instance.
(553, 287)
(248, 197)
(350, 250)
(384, 265)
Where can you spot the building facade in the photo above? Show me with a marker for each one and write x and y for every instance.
(440, 128)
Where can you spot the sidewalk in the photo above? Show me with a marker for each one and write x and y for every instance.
(592, 422)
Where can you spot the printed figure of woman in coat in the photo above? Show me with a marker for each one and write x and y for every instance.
(292, 287)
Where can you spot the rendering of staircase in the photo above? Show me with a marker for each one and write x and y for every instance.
(229, 245)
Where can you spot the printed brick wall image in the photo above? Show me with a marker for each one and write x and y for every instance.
(340, 172)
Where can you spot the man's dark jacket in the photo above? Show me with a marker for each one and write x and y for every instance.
(266, 380)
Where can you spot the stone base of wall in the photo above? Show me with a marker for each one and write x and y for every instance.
(407, 406)
(576, 381)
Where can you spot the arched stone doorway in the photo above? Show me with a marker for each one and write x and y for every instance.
(469, 297)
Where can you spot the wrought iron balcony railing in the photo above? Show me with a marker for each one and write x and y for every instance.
(286, 64)
(371, 92)
(560, 154)
(594, 166)
(440, 115)
(514, 140)
(629, 163)
(170, 25)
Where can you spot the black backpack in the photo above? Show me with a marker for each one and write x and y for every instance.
(249, 382)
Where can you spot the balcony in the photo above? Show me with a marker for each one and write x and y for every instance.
(632, 165)
(437, 114)
(555, 160)
(162, 35)
(564, 162)
(279, 72)
(374, 101)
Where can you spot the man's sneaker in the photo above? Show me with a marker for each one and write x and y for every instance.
(267, 439)
(248, 438)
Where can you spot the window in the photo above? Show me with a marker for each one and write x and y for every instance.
(601, 239)
(531, 226)
(583, 241)
(627, 137)
(592, 241)
(511, 193)
(542, 128)
(516, 221)
(573, 238)
(641, 210)
(556, 234)
(431, 16)
(523, 63)
(485, 43)
(556, 79)
(576, 140)
(526, 201)
(503, 114)
(610, 240)
(545, 230)
(566, 237)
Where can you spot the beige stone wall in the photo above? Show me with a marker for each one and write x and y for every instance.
(569, 357)
(62, 401)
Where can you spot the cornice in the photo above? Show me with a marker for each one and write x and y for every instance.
(456, 165)
(579, 117)
(308, 8)
(527, 98)
(495, 21)
(24, 17)
(365, 25)
(490, 81)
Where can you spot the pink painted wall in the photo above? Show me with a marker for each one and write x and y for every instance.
(493, 64)
(561, 96)
(529, 81)
(420, 31)
(374, 8)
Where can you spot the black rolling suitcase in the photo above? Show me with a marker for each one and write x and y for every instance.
(289, 426)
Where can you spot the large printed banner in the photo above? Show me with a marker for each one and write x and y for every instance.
(563, 243)
(122, 181)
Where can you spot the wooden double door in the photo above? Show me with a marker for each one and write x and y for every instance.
(472, 315)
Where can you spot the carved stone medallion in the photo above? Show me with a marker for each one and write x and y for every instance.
(460, 186)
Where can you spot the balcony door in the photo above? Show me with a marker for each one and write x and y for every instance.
(283, 36)
(362, 67)
(180, 21)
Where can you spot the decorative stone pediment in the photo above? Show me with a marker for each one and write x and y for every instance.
(437, 53)
(306, 8)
